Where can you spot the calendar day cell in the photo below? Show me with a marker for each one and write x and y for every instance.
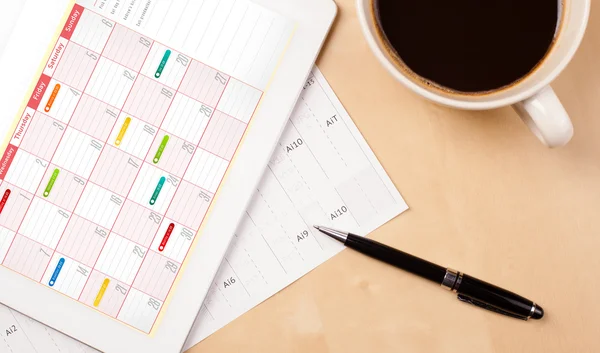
(83, 240)
(111, 82)
(170, 153)
(204, 84)
(140, 310)
(26, 171)
(104, 293)
(94, 117)
(92, 31)
(61, 187)
(132, 135)
(66, 275)
(43, 136)
(154, 188)
(59, 101)
(239, 100)
(189, 207)
(76, 66)
(173, 240)
(149, 100)
(187, 118)
(116, 170)
(6, 238)
(127, 48)
(78, 152)
(206, 170)
(28, 257)
(44, 222)
(137, 223)
(99, 205)
(156, 275)
(166, 65)
(121, 258)
(13, 205)
(223, 135)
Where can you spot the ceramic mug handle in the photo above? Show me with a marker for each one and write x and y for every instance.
(545, 115)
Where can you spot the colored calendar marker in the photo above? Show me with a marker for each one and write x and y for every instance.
(101, 292)
(52, 98)
(165, 239)
(123, 131)
(51, 182)
(4, 199)
(59, 267)
(162, 64)
(159, 186)
(161, 148)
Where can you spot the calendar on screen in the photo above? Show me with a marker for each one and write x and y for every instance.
(122, 147)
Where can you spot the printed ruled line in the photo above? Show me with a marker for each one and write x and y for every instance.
(138, 172)
(203, 63)
(171, 202)
(338, 154)
(354, 137)
(265, 240)
(323, 170)
(291, 202)
(40, 183)
(31, 201)
(115, 193)
(95, 164)
(158, 127)
(166, 211)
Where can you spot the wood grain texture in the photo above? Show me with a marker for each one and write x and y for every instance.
(486, 198)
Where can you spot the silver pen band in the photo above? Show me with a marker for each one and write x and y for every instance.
(452, 280)
(532, 311)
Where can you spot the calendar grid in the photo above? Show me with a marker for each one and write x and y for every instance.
(27, 210)
(146, 123)
(96, 224)
(166, 211)
(97, 61)
(158, 42)
(120, 166)
(180, 182)
(124, 152)
(128, 154)
(179, 92)
(115, 279)
(40, 183)
(91, 182)
(139, 169)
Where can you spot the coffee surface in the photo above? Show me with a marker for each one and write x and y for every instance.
(469, 45)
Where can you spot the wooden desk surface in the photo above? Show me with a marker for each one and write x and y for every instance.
(486, 198)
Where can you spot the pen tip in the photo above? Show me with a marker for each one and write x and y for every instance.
(317, 227)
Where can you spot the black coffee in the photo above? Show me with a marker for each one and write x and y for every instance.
(469, 45)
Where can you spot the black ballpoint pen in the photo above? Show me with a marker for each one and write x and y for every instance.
(470, 290)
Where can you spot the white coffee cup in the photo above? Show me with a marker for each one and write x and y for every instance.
(532, 98)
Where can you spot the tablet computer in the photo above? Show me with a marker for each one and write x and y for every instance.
(140, 131)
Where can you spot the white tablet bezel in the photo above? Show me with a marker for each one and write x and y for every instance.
(313, 19)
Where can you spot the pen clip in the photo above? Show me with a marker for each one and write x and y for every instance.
(484, 305)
